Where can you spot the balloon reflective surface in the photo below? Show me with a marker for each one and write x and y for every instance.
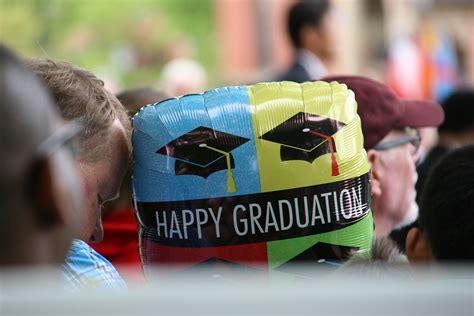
(253, 177)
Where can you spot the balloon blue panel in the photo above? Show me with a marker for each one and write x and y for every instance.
(225, 113)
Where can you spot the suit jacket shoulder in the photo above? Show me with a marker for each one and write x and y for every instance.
(296, 73)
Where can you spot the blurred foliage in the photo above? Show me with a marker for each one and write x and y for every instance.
(126, 40)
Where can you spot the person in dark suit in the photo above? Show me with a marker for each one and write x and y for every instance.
(311, 33)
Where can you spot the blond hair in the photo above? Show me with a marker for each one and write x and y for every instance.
(81, 95)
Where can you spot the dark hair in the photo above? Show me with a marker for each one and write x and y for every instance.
(133, 99)
(305, 13)
(459, 111)
(447, 206)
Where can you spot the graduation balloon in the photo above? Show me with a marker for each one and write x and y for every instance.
(257, 176)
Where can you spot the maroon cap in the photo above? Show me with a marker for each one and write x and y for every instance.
(381, 111)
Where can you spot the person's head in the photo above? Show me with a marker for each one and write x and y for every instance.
(386, 262)
(104, 148)
(389, 126)
(458, 126)
(135, 98)
(40, 196)
(446, 220)
(182, 76)
(310, 27)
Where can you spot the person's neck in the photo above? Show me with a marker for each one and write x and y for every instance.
(383, 225)
(455, 140)
(312, 63)
(382, 229)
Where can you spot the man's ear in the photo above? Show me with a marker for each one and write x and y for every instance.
(376, 172)
(42, 194)
(417, 246)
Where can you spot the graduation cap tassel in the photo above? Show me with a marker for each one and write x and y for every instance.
(334, 164)
(231, 187)
(230, 180)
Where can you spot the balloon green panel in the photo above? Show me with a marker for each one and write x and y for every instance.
(355, 235)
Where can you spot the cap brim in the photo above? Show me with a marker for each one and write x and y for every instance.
(420, 114)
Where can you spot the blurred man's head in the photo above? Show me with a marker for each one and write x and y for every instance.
(389, 125)
(458, 126)
(446, 220)
(40, 196)
(104, 148)
(182, 76)
(310, 27)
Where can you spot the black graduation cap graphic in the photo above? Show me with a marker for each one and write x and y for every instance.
(305, 137)
(204, 151)
(323, 254)
(224, 268)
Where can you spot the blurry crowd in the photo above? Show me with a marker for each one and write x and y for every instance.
(66, 164)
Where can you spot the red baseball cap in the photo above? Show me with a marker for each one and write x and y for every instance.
(381, 110)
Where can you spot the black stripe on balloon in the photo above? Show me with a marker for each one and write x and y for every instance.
(255, 218)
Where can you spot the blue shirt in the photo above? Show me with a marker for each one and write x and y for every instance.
(84, 268)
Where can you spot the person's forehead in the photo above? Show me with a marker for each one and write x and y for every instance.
(119, 145)
(114, 165)
(119, 138)
(398, 155)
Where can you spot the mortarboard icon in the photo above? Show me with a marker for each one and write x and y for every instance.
(204, 151)
(323, 254)
(306, 136)
(220, 268)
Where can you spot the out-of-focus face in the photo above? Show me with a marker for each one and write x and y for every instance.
(322, 39)
(329, 33)
(397, 200)
(101, 182)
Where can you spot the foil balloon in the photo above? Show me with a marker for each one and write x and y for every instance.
(255, 176)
